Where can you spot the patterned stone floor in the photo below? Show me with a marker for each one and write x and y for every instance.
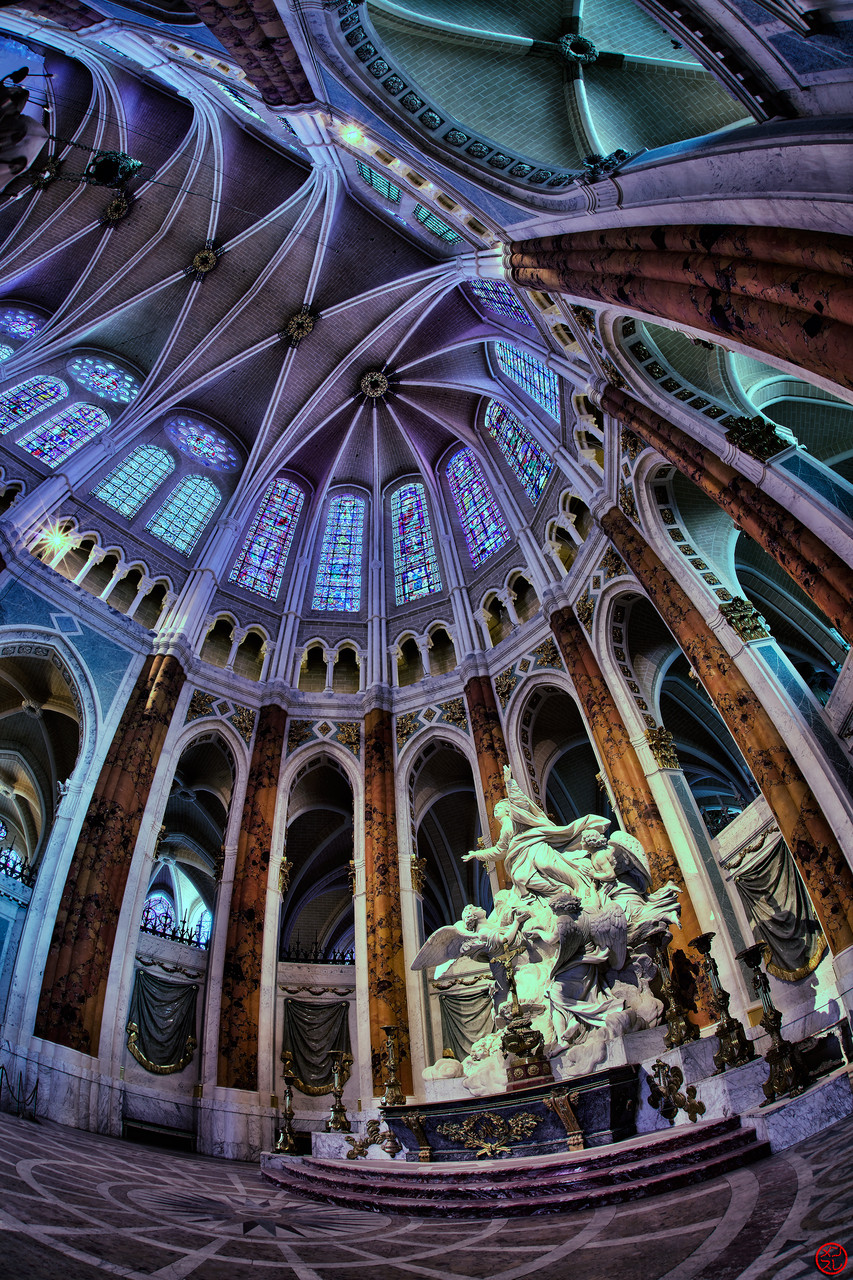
(74, 1206)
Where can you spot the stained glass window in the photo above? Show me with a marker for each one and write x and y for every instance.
(379, 182)
(202, 443)
(185, 512)
(129, 486)
(415, 566)
(338, 584)
(103, 378)
(4, 831)
(5, 352)
(20, 324)
(238, 98)
(203, 926)
(436, 225)
(528, 460)
(158, 913)
(64, 433)
(498, 298)
(482, 522)
(260, 564)
(532, 376)
(27, 399)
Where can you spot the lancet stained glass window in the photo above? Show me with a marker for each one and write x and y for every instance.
(415, 565)
(482, 521)
(532, 376)
(20, 324)
(260, 564)
(338, 584)
(64, 433)
(185, 512)
(27, 399)
(129, 486)
(498, 298)
(528, 460)
(104, 378)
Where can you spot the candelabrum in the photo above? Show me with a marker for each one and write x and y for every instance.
(286, 1140)
(788, 1072)
(735, 1049)
(337, 1121)
(679, 1030)
(393, 1096)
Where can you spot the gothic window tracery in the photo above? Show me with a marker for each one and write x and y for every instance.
(416, 570)
(20, 324)
(482, 520)
(338, 584)
(129, 485)
(260, 564)
(19, 404)
(104, 378)
(63, 434)
(186, 511)
(202, 444)
(497, 297)
(532, 376)
(528, 459)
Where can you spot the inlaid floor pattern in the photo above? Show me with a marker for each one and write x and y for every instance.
(80, 1207)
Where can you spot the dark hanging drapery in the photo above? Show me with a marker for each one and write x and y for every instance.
(311, 1030)
(780, 911)
(465, 1017)
(161, 1023)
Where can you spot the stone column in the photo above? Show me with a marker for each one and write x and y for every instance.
(630, 787)
(490, 745)
(816, 569)
(822, 864)
(386, 962)
(778, 290)
(241, 975)
(78, 962)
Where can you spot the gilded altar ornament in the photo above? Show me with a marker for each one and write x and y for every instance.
(414, 1121)
(735, 1049)
(393, 1095)
(156, 1068)
(743, 617)
(286, 1140)
(489, 1134)
(298, 326)
(679, 1029)
(338, 1121)
(204, 261)
(374, 1136)
(663, 748)
(788, 1072)
(666, 1097)
(563, 1104)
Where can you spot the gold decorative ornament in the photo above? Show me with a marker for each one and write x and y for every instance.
(627, 502)
(504, 685)
(338, 1121)
(373, 384)
(743, 617)
(418, 874)
(585, 609)
(243, 720)
(488, 1134)
(453, 712)
(299, 325)
(631, 443)
(663, 748)
(612, 373)
(666, 1097)
(585, 318)
(300, 732)
(286, 1140)
(735, 1050)
(166, 1069)
(407, 724)
(563, 1104)
(201, 704)
(315, 1090)
(351, 876)
(547, 654)
(414, 1121)
(204, 261)
(758, 437)
(613, 564)
(373, 1136)
(349, 735)
(117, 209)
(284, 870)
(393, 1096)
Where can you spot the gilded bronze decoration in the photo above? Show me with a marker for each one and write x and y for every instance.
(284, 870)
(298, 326)
(201, 704)
(735, 1049)
(585, 317)
(204, 261)
(349, 735)
(666, 1097)
(243, 720)
(489, 1134)
(373, 384)
(631, 443)
(300, 732)
(563, 1104)
(407, 724)
(338, 1121)
(758, 437)
(788, 1072)
(393, 1096)
(351, 875)
(679, 1029)
(627, 502)
(418, 874)
(374, 1135)
(155, 1068)
(286, 1140)
(453, 712)
(663, 748)
(547, 654)
(117, 209)
(585, 609)
(613, 564)
(316, 1090)
(504, 685)
(611, 372)
(743, 617)
(415, 1121)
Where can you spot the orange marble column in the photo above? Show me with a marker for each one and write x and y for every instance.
(241, 975)
(78, 962)
(822, 864)
(816, 569)
(491, 751)
(788, 293)
(386, 964)
(634, 800)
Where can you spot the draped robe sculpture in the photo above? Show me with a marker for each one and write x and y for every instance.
(581, 917)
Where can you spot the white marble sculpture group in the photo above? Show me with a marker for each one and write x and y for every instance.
(584, 925)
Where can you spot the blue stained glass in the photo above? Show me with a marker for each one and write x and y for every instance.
(5, 352)
(129, 486)
(379, 182)
(20, 324)
(4, 831)
(104, 379)
(203, 926)
(532, 376)
(64, 433)
(415, 566)
(482, 522)
(202, 443)
(238, 98)
(27, 399)
(260, 565)
(436, 225)
(158, 912)
(338, 584)
(498, 298)
(185, 512)
(528, 460)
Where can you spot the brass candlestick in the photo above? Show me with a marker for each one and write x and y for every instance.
(679, 1030)
(393, 1096)
(735, 1049)
(337, 1121)
(286, 1140)
(788, 1072)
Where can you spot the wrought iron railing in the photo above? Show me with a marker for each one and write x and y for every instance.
(14, 866)
(162, 925)
(315, 954)
(22, 1103)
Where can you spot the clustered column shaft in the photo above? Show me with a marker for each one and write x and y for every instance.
(491, 751)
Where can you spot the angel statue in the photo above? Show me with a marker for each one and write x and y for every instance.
(479, 937)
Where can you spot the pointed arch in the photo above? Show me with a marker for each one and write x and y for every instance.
(63, 434)
(181, 518)
(260, 564)
(482, 520)
(338, 583)
(129, 485)
(534, 378)
(19, 404)
(416, 570)
(529, 461)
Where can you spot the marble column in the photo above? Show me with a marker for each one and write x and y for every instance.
(241, 974)
(822, 864)
(816, 569)
(491, 751)
(777, 290)
(386, 962)
(634, 800)
(75, 976)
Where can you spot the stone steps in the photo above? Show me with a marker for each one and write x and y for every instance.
(544, 1184)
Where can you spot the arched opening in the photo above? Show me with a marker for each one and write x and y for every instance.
(151, 605)
(312, 671)
(8, 496)
(124, 592)
(498, 621)
(561, 762)
(100, 575)
(526, 599)
(217, 643)
(442, 653)
(249, 658)
(346, 677)
(410, 663)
